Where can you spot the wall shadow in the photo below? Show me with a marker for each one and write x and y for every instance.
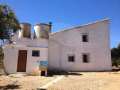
(9, 86)
(52, 73)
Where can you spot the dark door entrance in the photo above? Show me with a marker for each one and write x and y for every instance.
(22, 60)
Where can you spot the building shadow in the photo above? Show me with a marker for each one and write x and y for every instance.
(54, 72)
(115, 69)
(9, 87)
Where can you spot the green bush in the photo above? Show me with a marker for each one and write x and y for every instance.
(115, 54)
(1, 57)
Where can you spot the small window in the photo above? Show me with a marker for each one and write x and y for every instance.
(71, 58)
(36, 53)
(85, 58)
(85, 37)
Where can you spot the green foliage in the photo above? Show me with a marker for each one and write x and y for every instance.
(8, 25)
(8, 22)
(1, 57)
(115, 54)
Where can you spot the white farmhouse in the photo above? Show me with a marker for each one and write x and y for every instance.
(81, 48)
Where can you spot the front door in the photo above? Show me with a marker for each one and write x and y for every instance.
(22, 60)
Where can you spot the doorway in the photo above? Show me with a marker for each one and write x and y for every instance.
(22, 60)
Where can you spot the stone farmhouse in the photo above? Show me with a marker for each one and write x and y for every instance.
(80, 48)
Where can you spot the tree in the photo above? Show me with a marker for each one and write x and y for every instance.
(8, 22)
(8, 26)
(1, 60)
(115, 54)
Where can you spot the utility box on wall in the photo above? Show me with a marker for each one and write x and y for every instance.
(43, 65)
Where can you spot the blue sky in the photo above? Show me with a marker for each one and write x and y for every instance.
(67, 13)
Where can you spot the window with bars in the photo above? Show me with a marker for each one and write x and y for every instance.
(85, 58)
(85, 38)
(71, 58)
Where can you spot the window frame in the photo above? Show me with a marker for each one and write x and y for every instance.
(86, 58)
(35, 55)
(85, 37)
(71, 56)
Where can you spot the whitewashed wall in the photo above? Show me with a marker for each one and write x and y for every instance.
(31, 42)
(66, 42)
(11, 58)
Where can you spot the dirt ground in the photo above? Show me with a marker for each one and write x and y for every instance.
(23, 82)
(73, 81)
(89, 81)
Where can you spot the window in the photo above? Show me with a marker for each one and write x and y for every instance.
(85, 58)
(36, 53)
(71, 58)
(85, 37)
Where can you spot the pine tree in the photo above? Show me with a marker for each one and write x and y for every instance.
(9, 24)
